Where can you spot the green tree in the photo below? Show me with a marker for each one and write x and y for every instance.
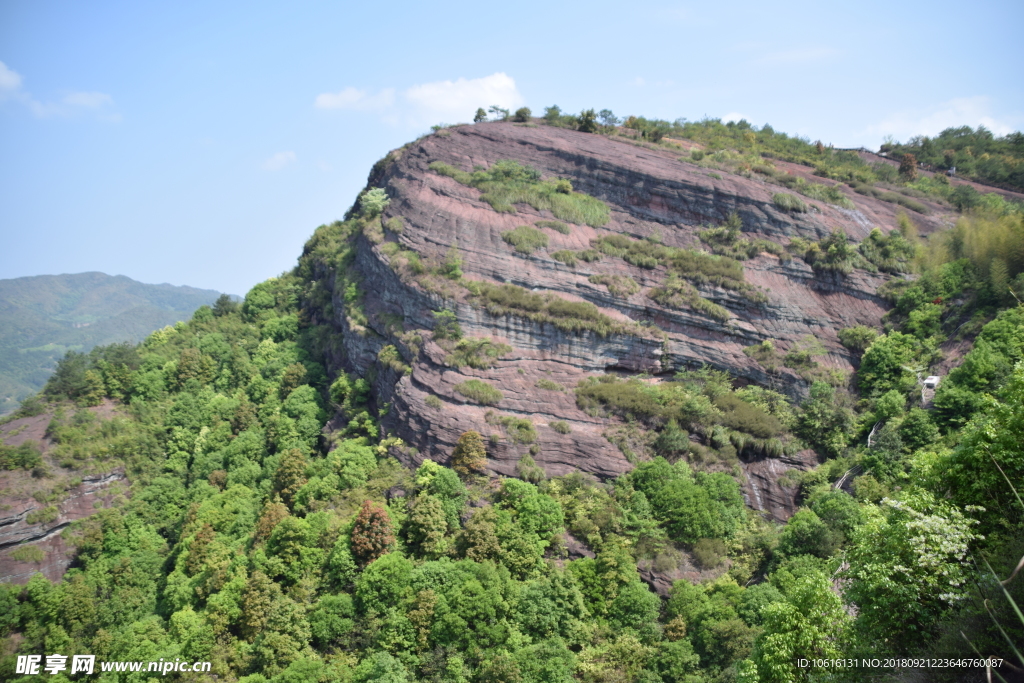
(888, 364)
(470, 455)
(428, 526)
(380, 667)
(586, 122)
(825, 421)
(225, 305)
(806, 534)
(373, 202)
(608, 118)
(978, 472)
(807, 624)
(552, 115)
(331, 619)
(908, 566)
(290, 475)
(480, 115)
(522, 115)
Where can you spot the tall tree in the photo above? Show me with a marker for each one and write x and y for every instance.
(469, 455)
(371, 534)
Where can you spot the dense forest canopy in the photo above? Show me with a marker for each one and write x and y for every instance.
(279, 551)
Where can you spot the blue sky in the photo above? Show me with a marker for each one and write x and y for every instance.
(201, 143)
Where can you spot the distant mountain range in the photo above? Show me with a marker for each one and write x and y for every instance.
(41, 317)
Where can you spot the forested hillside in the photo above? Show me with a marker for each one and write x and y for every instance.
(275, 525)
(42, 317)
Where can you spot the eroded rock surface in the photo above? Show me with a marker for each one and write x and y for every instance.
(651, 194)
(36, 510)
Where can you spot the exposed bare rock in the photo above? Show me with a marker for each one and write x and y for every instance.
(26, 523)
(651, 193)
(766, 490)
(18, 530)
(661, 580)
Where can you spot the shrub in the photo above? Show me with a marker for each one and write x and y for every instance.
(479, 391)
(433, 402)
(892, 253)
(25, 456)
(678, 294)
(389, 357)
(570, 316)
(709, 552)
(654, 405)
(857, 338)
(544, 383)
(396, 225)
(518, 430)
(554, 225)
(507, 183)
(476, 352)
(446, 325)
(526, 239)
(480, 116)
(788, 202)
(696, 154)
(522, 115)
(528, 470)
(565, 256)
(743, 417)
(619, 285)
(28, 553)
(561, 426)
(42, 515)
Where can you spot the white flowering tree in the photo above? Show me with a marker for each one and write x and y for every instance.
(908, 565)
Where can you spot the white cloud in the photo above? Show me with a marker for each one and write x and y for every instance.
(456, 101)
(359, 100)
(99, 103)
(963, 111)
(90, 100)
(429, 103)
(733, 116)
(9, 78)
(279, 161)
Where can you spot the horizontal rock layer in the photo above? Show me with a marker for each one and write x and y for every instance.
(650, 194)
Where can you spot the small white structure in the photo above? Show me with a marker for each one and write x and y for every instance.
(931, 382)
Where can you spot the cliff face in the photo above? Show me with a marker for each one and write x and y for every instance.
(651, 194)
(37, 510)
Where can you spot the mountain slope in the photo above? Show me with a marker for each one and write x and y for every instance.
(43, 316)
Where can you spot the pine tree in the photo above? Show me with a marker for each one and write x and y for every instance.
(371, 533)
(469, 455)
(480, 116)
